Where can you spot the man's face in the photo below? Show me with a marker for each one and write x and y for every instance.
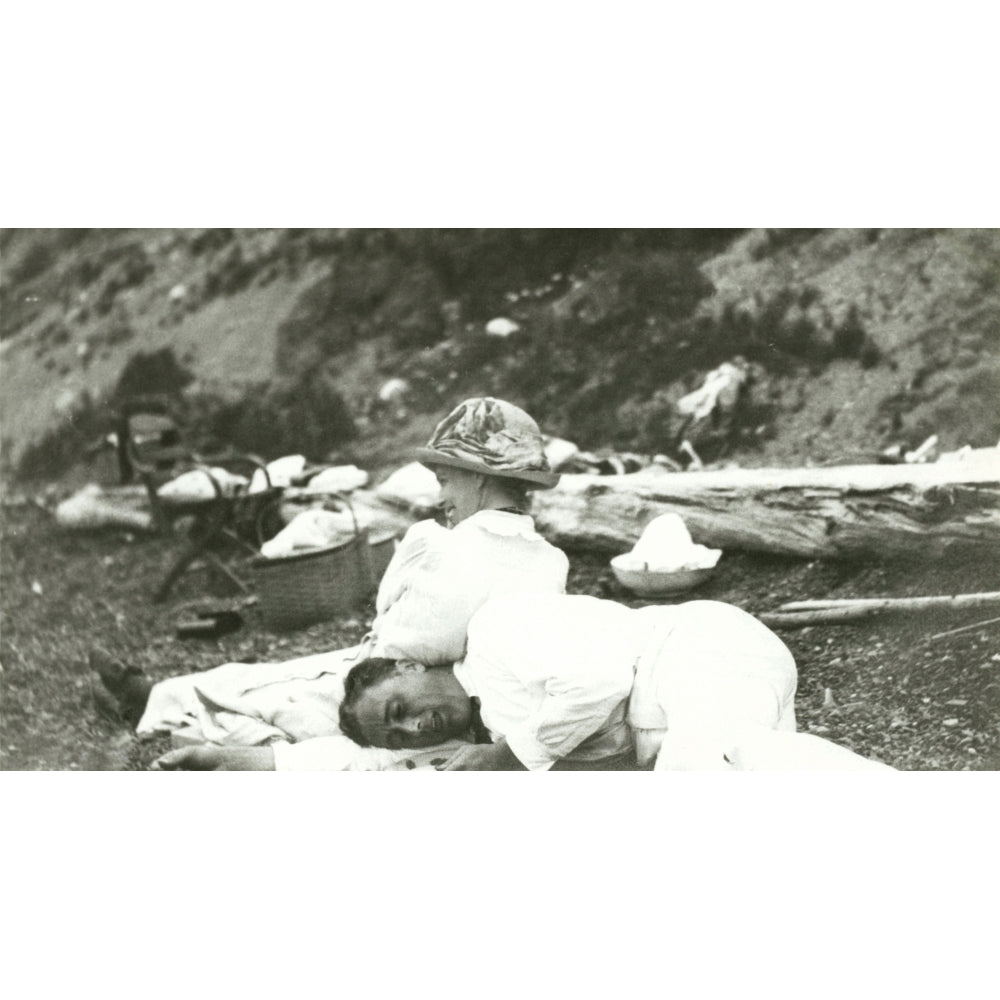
(460, 493)
(414, 708)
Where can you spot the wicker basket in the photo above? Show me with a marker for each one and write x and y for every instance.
(300, 590)
(315, 586)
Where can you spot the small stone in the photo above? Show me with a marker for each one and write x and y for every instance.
(502, 327)
(950, 722)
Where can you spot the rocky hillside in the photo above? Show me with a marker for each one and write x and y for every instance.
(847, 341)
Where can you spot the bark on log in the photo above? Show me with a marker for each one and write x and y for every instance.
(922, 511)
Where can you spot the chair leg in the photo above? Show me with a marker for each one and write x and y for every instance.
(226, 571)
(235, 538)
(160, 520)
(198, 544)
(189, 553)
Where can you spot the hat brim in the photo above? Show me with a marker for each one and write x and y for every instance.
(532, 479)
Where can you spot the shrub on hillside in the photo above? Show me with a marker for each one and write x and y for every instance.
(664, 285)
(304, 415)
(210, 239)
(851, 340)
(603, 340)
(54, 333)
(789, 327)
(324, 242)
(95, 257)
(648, 424)
(152, 373)
(412, 311)
(230, 274)
(317, 326)
(397, 282)
(359, 297)
(30, 275)
(38, 257)
(132, 268)
(967, 407)
(42, 248)
(773, 240)
(479, 265)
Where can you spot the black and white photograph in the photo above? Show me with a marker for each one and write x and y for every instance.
(480, 499)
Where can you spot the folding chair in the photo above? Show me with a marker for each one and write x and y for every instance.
(150, 448)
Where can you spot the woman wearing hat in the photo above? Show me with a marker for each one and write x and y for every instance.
(487, 455)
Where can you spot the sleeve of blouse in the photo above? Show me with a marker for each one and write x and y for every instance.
(575, 706)
(581, 675)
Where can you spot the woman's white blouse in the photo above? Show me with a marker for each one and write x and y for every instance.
(438, 578)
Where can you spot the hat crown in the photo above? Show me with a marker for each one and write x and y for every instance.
(492, 433)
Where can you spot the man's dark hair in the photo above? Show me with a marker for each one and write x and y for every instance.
(359, 678)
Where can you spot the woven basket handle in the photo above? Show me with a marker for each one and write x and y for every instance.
(203, 462)
(216, 485)
(354, 517)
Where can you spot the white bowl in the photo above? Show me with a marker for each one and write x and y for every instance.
(653, 583)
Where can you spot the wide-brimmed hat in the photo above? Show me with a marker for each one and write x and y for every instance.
(492, 437)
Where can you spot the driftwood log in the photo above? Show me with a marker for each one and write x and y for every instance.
(919, 511)
(799, 614)
(943, 602)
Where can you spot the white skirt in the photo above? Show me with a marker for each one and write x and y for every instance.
(715, 690)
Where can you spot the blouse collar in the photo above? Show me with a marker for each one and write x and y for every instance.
(501, 522)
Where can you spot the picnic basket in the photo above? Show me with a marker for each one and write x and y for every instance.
(316, 585)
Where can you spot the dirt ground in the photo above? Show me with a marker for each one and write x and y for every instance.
(899, 693)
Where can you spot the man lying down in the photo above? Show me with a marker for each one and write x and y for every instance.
(578, 683)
